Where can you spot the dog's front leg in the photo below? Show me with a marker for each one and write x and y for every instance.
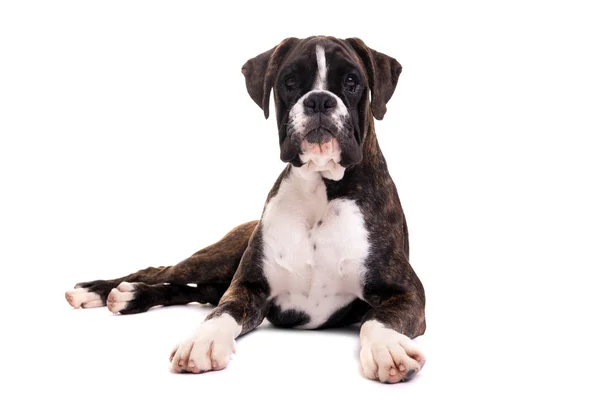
(241, 309)
(387, 352)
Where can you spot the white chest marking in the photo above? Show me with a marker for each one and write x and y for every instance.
(314, 249)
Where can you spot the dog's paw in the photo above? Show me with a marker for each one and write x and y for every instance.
(89, 294)
(387, 355)
(210, 349)
(85, 298)
(120, 298)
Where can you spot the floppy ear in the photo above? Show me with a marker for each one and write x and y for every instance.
(383, 72)
(260, 72)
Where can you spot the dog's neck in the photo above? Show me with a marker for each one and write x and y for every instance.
(372, 155)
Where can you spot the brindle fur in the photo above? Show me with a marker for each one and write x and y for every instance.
(211, 268)
(393, 294)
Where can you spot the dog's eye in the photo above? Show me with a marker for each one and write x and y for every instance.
(351, 82)
(290, 82)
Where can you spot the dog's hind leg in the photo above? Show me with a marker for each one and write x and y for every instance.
(132, 298)
(211, 269)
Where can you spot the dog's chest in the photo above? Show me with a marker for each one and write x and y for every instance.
(314, 250)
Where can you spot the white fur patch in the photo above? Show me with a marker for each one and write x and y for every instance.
(330, 169)
(321, 80)
(119, 297)
(81, 297)
(314, 250)
(210, 348)
(387, 355)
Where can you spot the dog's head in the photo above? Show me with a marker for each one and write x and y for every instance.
(321, 87)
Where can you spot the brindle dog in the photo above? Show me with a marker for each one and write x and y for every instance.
(331, 247)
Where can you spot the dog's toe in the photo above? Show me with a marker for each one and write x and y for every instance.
(119, 297)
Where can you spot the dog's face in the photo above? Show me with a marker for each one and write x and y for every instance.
(321, 89)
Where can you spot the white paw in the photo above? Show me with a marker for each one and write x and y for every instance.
(387, 355)
(83, 298)
(210, 349)
(120, 296)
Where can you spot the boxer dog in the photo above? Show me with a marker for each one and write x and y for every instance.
(331, 247)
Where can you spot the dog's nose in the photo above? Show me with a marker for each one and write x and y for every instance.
(319, 102)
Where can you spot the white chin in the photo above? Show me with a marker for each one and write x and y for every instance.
(330, 170)
(323, 158)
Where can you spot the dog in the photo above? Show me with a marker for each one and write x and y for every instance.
(331, 247)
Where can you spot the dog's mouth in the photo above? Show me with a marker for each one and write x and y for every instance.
(319, 135)
(319, 149)
(319, 146)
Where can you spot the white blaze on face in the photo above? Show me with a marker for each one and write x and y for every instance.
(322, 71)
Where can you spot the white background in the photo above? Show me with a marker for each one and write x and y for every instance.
(128, 140)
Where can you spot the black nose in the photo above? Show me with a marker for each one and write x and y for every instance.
(319, 102)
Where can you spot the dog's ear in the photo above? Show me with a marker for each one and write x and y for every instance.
(260, 72)
(383, 72)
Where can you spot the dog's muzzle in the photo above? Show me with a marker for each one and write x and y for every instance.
(317, 138)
